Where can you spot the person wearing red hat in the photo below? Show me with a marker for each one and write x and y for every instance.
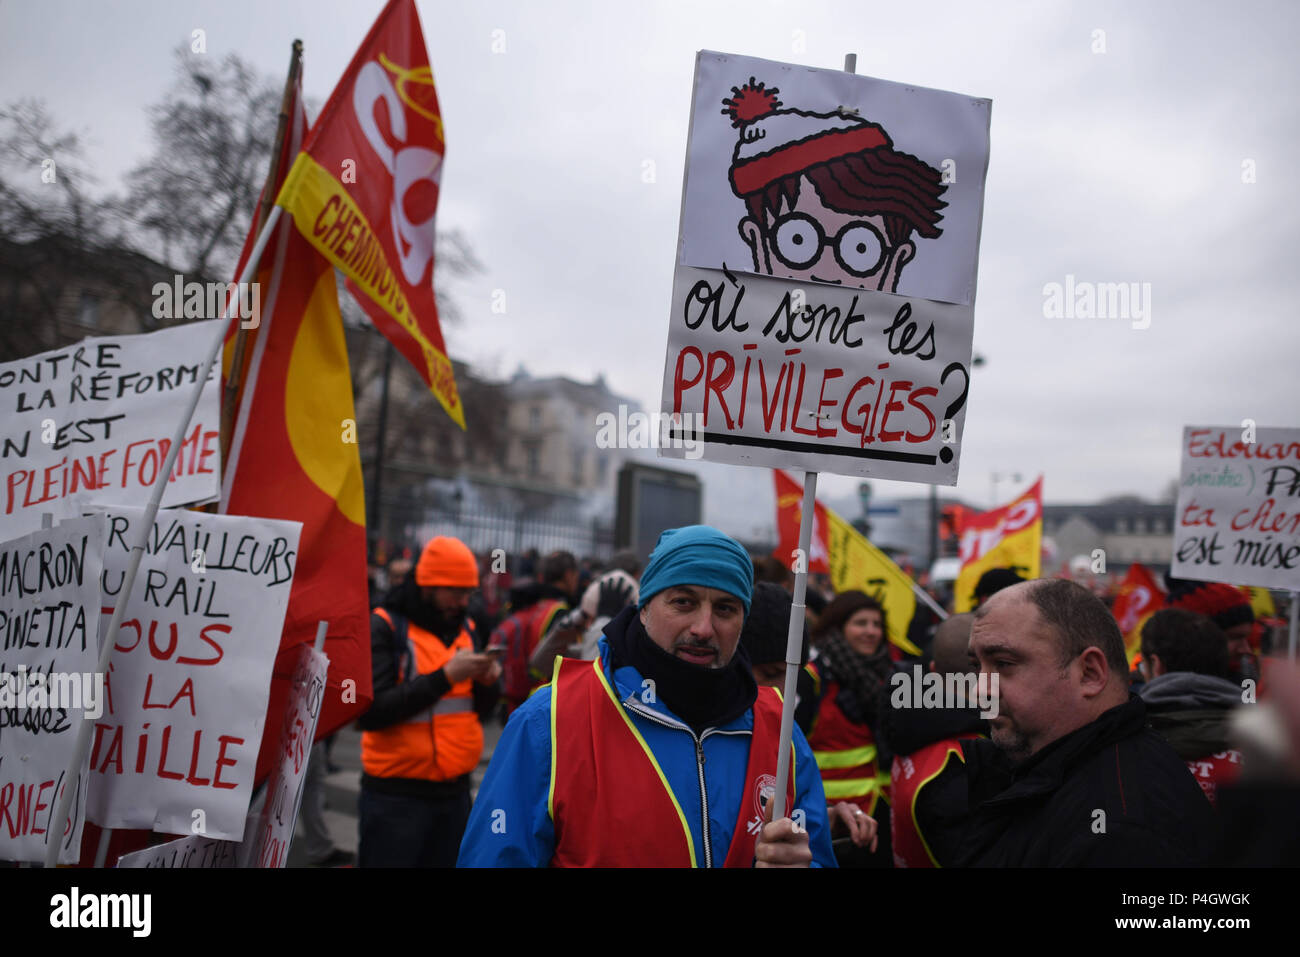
(1229, 608)
(423, 734)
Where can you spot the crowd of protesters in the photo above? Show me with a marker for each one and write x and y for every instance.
(1188, 754)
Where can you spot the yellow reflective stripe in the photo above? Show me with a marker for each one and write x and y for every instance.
(849, 758)
(917, 794)
(849, 787)
(618, 706)
(555, 684)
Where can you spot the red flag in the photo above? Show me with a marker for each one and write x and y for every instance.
(364, 191)
(789, 513)
(1009, 536)
(1140, 596)
(291, 457)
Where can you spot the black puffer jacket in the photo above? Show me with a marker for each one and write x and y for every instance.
(1045, 812)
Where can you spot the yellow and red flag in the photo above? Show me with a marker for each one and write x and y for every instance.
(838, 549)
(1007, 537)
(1140, 596)
(364, 191)
(293, 455)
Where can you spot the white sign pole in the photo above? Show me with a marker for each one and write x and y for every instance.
(794, 642)
(151, 513)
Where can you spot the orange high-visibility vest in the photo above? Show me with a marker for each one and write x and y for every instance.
(439, 743)
(846, 756)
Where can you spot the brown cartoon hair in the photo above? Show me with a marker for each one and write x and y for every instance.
(883, 181)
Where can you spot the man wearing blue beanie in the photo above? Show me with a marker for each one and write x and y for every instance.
(662, 752)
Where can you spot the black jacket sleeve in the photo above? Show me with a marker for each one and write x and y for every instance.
(395, 702)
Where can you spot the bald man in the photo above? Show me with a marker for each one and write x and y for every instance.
(1072, 777)
(928, 774)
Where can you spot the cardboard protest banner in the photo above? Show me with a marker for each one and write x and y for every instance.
(193, 852)
(823, 297)
(190, 670)
(1010, 536)
(49, 619)
(284, 788)
(91, 424)
(1239, 507)
(853, 563)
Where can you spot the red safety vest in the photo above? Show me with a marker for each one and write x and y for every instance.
(909, 775)
(610, 801)
(440, 743)
(1215, 769)
(846, 756)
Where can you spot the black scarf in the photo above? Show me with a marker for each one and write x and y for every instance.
(863, 679)
(406, 600)
(703, 697)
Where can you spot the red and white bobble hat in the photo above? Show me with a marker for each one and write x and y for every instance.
(776, 143)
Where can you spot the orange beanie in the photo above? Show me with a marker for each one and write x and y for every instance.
(447, 562)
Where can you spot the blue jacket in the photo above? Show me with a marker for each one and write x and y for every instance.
(511, 827)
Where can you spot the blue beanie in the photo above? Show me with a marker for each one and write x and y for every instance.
(698, 555)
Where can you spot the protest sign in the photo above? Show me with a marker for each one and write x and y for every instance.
(190, 670)
(1010, 536)
(823, 298)
(193, 852)
(284, 789)
(90, 424)
(49, 617)
(1239, 507)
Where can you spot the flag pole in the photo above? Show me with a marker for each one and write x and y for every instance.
(1295, 626)
(82, 745)
(235, 379)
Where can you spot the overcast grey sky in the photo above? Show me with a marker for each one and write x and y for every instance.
(1117, 166)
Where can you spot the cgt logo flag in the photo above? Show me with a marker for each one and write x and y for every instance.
(839, 550)
(289, 459)
(364, 191)
(1007, 537)
(1140, 596)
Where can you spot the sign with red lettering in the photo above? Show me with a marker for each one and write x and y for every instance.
(284, 788)
(90, 424)
(1238, 515)
(49, 620)
(823, 298)
(191, 669)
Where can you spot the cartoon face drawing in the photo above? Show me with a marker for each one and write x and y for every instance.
(828, 197)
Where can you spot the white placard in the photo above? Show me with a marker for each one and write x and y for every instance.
(191, 670)
(1238, 516)
(90, 424)
(195, 852)
(284, 788)
(823, 299)
(862, 384)
(49, 622)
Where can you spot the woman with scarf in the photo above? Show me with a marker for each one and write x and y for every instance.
(854, 666)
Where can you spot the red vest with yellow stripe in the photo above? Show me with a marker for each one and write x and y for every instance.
(846, 756)
(439, 743)
(910, 775)
(609, 799)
